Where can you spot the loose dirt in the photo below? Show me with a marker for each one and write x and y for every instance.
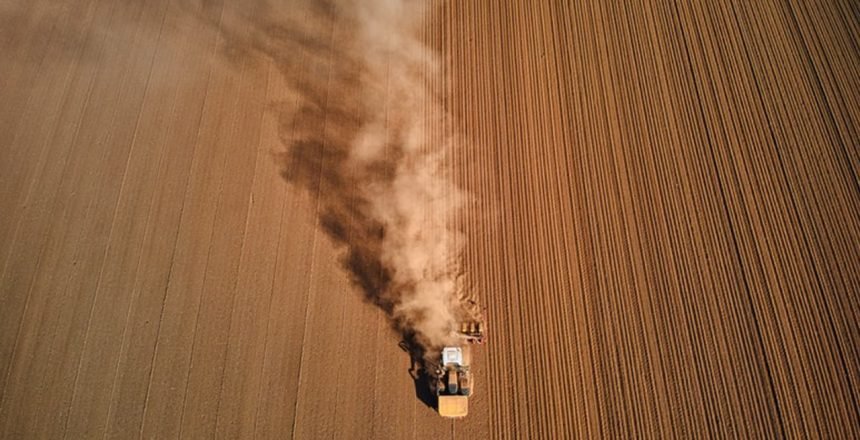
(662, 219)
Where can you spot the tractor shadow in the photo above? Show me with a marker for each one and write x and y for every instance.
(421, 377)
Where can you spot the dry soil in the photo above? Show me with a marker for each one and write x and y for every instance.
(665, 233)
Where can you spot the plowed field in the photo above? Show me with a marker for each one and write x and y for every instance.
(664, 224)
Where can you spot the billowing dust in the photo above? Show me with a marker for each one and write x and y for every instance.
(365, 134)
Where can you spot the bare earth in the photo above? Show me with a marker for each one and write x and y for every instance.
(665, 229)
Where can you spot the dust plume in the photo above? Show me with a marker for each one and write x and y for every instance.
(366, 135)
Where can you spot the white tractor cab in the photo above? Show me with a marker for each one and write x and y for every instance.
(453, 379)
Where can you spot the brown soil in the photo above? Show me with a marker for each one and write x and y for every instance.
(665, 230)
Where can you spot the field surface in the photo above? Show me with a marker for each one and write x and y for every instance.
(664, 230)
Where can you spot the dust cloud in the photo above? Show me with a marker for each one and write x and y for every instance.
(415, 200)
(364, 133)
